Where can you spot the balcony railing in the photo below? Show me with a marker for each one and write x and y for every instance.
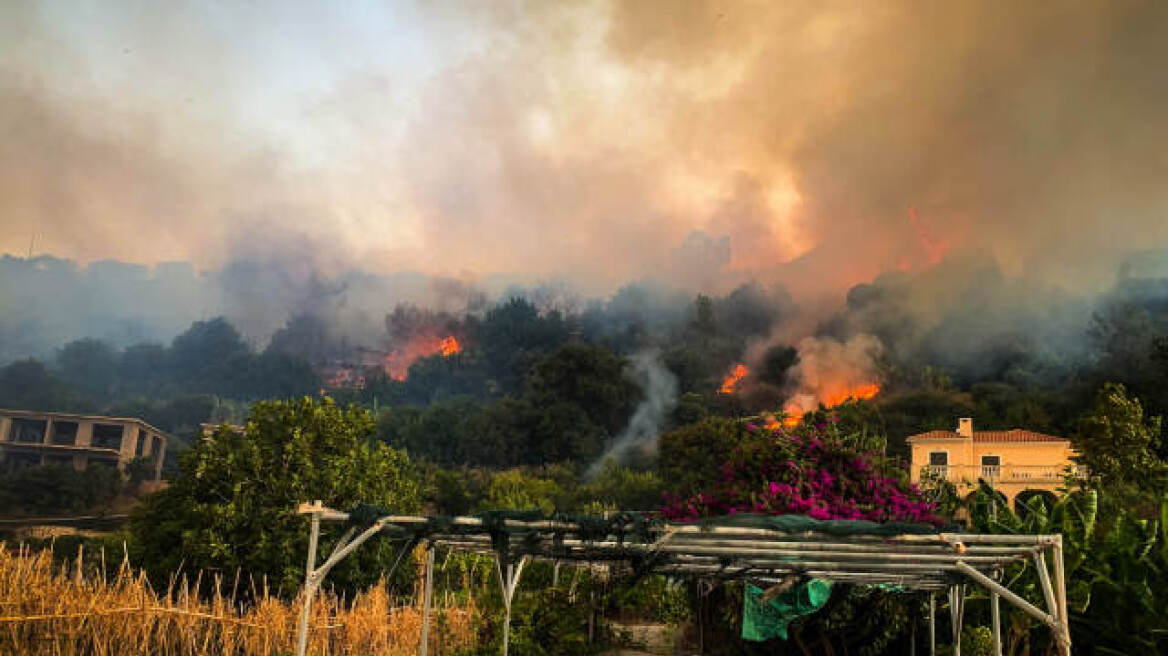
(999, 473)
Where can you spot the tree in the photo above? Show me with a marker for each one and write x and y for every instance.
(624, 488)
(750, 310)
(29, 385)
(54, 489)
(304, 335)
(232, 505)
(141, 368)
(1121, 449)
(916, 412)
(703, 323)
(90, 365)
(591, 377)
(691, 457)
(205, 344)
(515, 490)
(512, 334)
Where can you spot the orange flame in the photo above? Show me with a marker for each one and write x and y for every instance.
(344, 377)
(397, 363)
(794, 410)
(450, 346)
(730, 382)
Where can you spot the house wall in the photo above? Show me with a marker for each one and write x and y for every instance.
(1024, 465)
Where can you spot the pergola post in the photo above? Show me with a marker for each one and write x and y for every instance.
(912, 640)
(1060, 628)
(1060, 592)
(314, 576)
(1057, 627)
(309, 584)
(932, 624)
(427, 599)
(996, 621)
(508, 581)
(957, 615)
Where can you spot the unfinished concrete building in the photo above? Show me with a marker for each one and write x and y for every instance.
(56, 438)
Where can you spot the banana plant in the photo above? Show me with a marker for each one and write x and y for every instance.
(1116, 566)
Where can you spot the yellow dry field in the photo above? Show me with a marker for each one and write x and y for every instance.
(53, 610)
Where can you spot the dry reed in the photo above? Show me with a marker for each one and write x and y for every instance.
(56, 610)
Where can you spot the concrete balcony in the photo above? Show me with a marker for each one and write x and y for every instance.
(1020, 474)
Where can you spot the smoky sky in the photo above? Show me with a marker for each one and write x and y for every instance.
(814, 145)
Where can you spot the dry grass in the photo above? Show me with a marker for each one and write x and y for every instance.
(52, 610)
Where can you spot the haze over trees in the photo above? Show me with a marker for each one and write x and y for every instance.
(536, 395)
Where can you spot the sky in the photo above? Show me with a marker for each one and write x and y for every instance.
(810, 144)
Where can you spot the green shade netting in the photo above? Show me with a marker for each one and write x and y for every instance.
(804, 524)
(640, 526)
(765, 619)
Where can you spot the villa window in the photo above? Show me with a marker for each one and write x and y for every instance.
(939, 462)
(991, 467)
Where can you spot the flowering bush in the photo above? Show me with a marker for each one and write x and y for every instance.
(810, 471)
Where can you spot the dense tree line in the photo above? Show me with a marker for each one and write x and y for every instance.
(174, 387)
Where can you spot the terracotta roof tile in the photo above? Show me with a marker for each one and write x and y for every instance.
(1014, 435)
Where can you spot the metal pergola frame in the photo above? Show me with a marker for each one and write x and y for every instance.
(929, 563)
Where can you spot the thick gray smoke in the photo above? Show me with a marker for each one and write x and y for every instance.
(814, 147)
(48, 302)
(660, 387)
(706, 144)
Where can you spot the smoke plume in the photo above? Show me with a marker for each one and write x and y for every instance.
(660, 387)
(599, 142)
(972, 171)
(830, 372)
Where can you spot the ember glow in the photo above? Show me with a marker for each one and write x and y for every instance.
(344, 377)
(397, 363)
(731, 381)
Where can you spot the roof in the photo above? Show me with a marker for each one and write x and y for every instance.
(36, 414)
(991, 437)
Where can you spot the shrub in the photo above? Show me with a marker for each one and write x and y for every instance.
(232, 506)
(807, 472)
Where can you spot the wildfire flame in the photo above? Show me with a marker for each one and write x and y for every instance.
(345, 377)
(397, 363)
(450, 346)
(797, 407)
(732, 379)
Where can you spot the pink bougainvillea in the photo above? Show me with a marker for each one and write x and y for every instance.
(808, 472)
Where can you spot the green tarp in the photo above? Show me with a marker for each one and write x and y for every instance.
(765, 619)
(642, 526)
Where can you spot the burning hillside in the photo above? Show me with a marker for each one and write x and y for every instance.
(827, 372)
(733, 379)
(416, 333)
(397, 362)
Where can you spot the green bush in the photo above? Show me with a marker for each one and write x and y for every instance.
(233, 505)
(54, 489)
